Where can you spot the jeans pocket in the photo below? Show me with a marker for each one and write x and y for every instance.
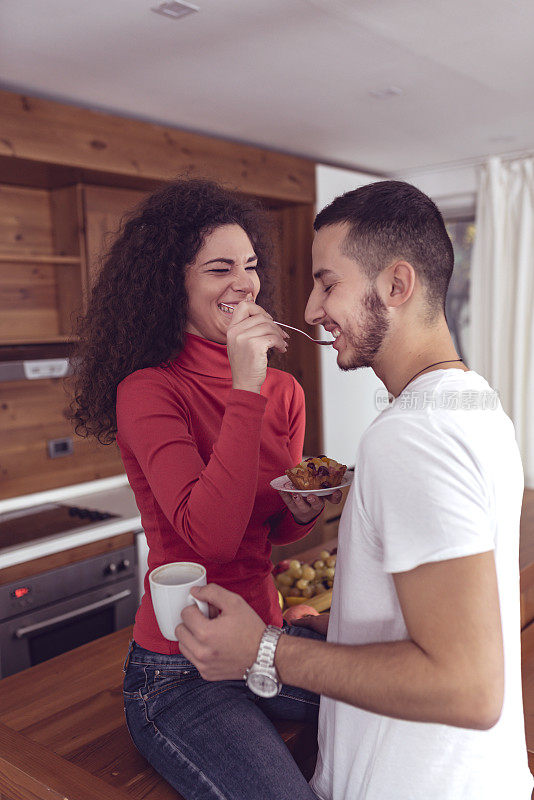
(162, 679)
(134, 680)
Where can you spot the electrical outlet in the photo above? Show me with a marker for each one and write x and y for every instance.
(57, 448)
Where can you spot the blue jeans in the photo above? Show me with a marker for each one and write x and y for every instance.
(214, 740)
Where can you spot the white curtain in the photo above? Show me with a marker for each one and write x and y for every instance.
(502, 293)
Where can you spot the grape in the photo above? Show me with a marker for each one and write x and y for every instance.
(329, 573)
(284, 579)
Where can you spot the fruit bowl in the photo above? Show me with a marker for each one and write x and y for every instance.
(311, 584)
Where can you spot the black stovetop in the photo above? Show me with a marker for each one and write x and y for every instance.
(38, 522)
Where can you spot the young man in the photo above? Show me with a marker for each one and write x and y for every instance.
(420, 674)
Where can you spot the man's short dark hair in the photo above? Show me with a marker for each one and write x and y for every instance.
(393, 219)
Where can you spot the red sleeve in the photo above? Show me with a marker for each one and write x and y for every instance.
(153, 423)
(284, 529)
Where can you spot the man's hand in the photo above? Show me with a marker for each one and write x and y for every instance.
(305, 507)
(450, 668)
(224, 647)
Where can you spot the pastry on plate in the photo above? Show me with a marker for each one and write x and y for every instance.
(318, 472)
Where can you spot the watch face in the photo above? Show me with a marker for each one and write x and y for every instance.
(262, 685)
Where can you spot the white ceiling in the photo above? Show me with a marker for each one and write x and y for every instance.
(294, 75)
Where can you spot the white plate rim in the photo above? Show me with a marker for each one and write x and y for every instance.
(316, 492)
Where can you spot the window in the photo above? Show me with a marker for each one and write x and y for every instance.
(462, 234)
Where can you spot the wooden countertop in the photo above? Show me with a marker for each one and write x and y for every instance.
(63, 734)
(62, 730)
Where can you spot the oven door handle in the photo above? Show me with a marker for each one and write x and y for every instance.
(20, 633)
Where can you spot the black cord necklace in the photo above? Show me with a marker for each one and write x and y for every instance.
(450, 361)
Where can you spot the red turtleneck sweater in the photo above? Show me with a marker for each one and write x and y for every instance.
(199, 457)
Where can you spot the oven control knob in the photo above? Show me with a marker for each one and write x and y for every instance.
(124, 564)
(111, 569)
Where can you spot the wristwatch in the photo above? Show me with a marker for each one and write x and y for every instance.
(262, 678)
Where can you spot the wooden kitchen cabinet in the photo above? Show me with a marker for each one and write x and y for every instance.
(67, 177)
(51, 241)
(42, 271)
(104, 208)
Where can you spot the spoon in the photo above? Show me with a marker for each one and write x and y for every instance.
(284, 325)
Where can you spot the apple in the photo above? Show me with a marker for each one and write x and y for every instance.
(282, 566)
(302, 610)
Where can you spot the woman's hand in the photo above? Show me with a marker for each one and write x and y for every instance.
(317, 622)
(305, 507)
(251, 333)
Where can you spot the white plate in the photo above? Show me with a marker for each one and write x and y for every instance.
(283, 484)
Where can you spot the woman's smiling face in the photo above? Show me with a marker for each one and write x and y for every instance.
(223, 272)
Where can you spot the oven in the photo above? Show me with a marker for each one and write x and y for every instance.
(44, 615)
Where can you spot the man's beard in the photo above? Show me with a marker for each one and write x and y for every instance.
(374, 325)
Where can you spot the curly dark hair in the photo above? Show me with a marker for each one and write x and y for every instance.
(138, 307)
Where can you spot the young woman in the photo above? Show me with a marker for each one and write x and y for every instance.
(172, 364)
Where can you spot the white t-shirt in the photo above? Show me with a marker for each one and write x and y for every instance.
(438, 476)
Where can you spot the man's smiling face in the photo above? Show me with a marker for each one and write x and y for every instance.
(344, 301)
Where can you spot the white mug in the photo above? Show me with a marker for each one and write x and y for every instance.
(169, 587)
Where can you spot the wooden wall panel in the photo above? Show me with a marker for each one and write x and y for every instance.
(67, 220)
(31, 412)
(46, 131)
(25, 221)
(28, 301)
(104, 208)
(66, 206)
(302, 359)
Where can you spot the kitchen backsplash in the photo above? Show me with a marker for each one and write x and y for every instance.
(32, 416)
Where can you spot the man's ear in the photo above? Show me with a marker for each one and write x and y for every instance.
(397, 283)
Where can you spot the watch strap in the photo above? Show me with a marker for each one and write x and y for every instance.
(267, 648)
